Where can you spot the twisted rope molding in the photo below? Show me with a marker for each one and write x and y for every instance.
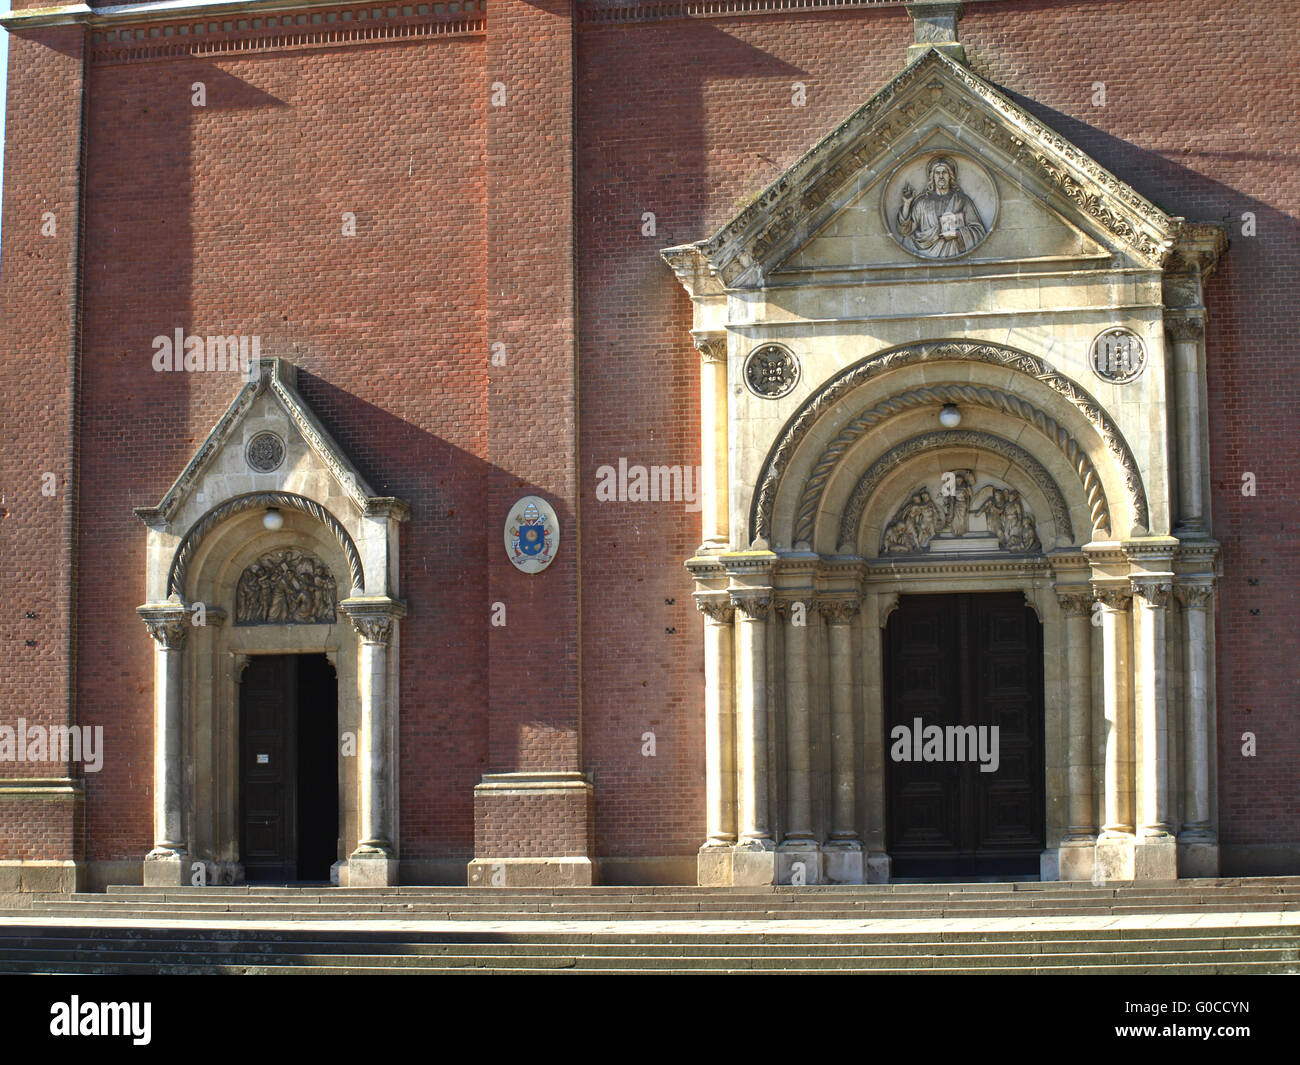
(802, 421)
(810, 499)
(286, 500)
(915, 445)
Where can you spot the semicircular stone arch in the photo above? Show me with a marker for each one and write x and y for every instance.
(801, 424)
(177, 574)
(946, 440)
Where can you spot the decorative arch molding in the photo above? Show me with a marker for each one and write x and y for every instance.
(975, 395)
(285, 500)
(862, 492)
(803, 420)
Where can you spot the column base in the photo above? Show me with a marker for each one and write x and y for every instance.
(1198, 855)
(803, 853)
(844, 862)
(531, 872)
(1155, 858)
(753, 863)
(1076, 860)
(879, 868)
(372, 870)
(165, 868)
(41, 876)
(1114, 859)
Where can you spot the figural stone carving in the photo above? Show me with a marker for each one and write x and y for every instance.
(921, 525)
(944, 220)
(285, 587)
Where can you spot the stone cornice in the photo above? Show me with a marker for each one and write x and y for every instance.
(879, 570)
(182, 10)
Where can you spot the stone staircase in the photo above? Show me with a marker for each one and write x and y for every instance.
(1249, 925)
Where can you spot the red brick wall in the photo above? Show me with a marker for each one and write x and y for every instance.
(227, 218)
(37, 339)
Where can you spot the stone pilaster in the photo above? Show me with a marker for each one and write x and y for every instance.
(714, 862)
(1114, 854)
(1156, 856)
(752, 612)
(843, 849)
(714, 515)
(374, 862)
(1187, 328)
(169, 625)
(1198, 844)
(798, 844)
(1078, 849)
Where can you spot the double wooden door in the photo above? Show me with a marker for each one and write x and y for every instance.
(965, 660)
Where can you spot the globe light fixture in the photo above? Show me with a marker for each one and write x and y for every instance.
(273, 519)
(950, 416)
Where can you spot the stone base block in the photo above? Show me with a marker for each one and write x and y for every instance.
(366, 870)
(531, 872)
(1076, 861)
(34, 875)
(799, 865)
(339, 874)
(168, 870)
(1155, 858)
(879, 868)
(1114, 860)
(844, 865)
(1197, 858)
(713, 867)
(753, 867)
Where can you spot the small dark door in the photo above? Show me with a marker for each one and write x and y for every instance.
(962, 660)
(288, 722)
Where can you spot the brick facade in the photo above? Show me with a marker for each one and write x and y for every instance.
(523, 225)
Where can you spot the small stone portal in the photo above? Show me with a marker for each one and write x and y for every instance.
(970, 520)
(286, 587)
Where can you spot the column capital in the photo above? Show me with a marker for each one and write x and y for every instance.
(717, 607)
(1112, 596)
(373, 617)
(838, 611)
(711, 345)
(1185, 325)
(168, 625)
(1152, 591)
(753, 606)
(1197, 596)
(1076, 600)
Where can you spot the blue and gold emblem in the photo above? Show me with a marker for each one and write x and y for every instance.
(532, 534)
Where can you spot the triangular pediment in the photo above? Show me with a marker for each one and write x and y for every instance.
(294, 444)
(841, 206)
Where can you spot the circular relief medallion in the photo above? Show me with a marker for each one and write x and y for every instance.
(1118, 355)
(771, 371)
(532, 534)
(265, 452)
(940, 205)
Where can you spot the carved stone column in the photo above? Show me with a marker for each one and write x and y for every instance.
(374, 862)
(714, 517)
(1188, 431)
(799, 860)
(843, 849)
(1077, 852)
(1114, 855)
(1156, 855)
(169, 626)
(1198, 844)
(754, 859)
(714, 862)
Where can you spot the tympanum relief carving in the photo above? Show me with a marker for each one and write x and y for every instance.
(286, 587)
(965, 519)
(940, 205)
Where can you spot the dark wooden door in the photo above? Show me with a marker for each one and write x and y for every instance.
(965, 660)
(268, 701)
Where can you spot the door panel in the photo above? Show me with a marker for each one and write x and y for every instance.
(267, 768)
(965, 660)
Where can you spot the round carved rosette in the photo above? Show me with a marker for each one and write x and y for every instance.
(771, 371)
(265, 452)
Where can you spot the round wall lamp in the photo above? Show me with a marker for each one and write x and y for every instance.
(273, 519)
(950, 416)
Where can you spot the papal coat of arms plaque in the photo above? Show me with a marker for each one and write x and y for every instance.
(532, 534)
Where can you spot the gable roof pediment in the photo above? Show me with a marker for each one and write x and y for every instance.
(934, 102)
